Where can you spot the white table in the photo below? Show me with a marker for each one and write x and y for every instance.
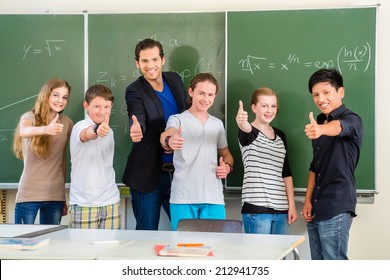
(20, 230)
(76, 244)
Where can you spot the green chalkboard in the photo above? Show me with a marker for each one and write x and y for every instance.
(278, 49)
(281, 49)
(35, 48)
(192, 42)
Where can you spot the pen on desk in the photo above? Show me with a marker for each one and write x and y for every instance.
(189, 244)
(105, 242)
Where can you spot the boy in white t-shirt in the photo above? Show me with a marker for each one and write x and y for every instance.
(201, 156)
(94, 196)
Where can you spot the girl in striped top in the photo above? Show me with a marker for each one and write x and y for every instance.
(268, 205)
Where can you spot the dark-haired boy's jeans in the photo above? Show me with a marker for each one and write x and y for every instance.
(329, 239)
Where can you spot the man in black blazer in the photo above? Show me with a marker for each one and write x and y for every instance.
(151, 99)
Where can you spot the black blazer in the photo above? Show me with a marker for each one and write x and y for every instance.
(144, 162)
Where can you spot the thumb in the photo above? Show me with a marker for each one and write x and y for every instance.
(221, 162)
(240, 106)
(107, 119)
(178, 132)
(135, 120)
(311, 118)
(55, 118)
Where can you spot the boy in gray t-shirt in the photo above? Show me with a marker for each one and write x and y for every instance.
(198, 140)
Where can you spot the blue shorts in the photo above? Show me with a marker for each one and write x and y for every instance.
(196, 211)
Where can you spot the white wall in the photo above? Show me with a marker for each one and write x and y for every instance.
(371, 229)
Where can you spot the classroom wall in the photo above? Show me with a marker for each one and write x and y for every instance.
(370, 230)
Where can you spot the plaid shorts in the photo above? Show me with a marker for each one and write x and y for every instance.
(101, 217)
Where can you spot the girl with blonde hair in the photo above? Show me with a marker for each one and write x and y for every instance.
(40, 140)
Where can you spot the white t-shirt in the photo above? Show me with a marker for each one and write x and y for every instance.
(195, 179)
(92, 174)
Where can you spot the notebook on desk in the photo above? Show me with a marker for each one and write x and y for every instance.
(183, 251)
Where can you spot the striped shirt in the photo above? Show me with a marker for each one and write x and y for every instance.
(265, 165)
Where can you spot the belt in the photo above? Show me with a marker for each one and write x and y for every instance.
(167, 167)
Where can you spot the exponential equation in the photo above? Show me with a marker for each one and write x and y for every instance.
(356, 58)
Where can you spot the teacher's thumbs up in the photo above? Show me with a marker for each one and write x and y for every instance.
(313, 129)
(135, 130)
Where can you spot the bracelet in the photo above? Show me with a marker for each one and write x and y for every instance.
(166, 141)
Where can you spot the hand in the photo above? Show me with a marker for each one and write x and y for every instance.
(242, 116)
(176, 141)
(223, 169)
(135, 130)
(292, 215)
(104, 127)
(65, 209)
(54, 128)
(313, 130)
(307, 212)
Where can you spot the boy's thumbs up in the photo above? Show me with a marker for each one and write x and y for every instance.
(222, 169)
(107, 119)
(311, 118)
(178, 132)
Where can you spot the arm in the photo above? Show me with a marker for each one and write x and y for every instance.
(225, 163)
(87, 134)
(27, 129)
(292, 212)
(307, 206)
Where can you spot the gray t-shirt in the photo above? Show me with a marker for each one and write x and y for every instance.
(195, 179)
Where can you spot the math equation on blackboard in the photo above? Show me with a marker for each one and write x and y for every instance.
(48, 47)
(356, 58)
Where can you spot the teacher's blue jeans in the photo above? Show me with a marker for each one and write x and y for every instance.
(50, 212)
(329, 239)
(147, 206)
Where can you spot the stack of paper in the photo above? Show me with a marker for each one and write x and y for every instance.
(184, 251)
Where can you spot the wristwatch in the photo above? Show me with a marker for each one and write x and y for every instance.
(95, 128)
